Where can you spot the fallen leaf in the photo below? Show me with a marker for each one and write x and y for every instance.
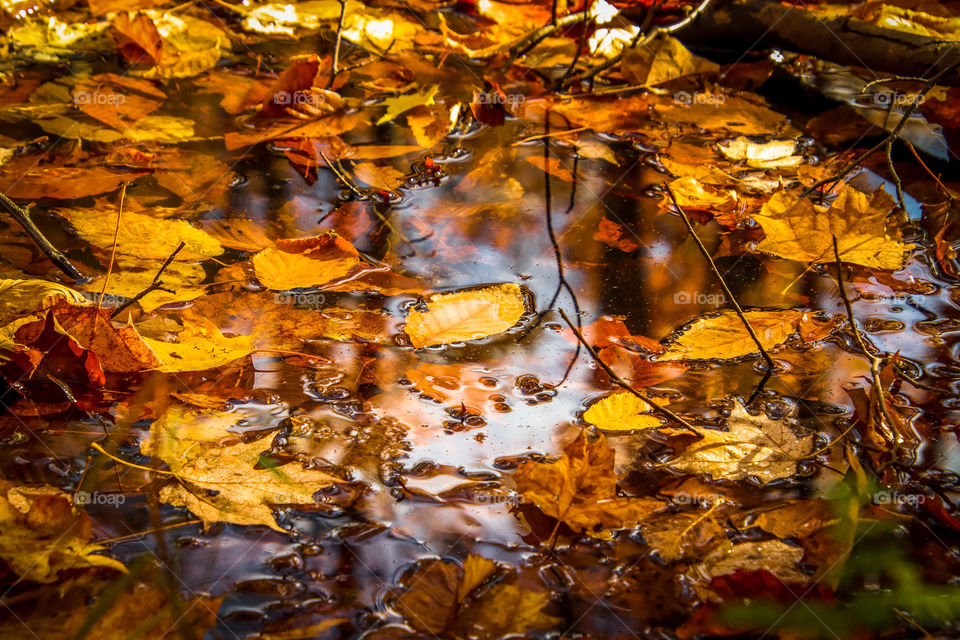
(747, 447)
(580, 489)
(466, 315)
(305, 262)
(399, 105)
(775, 556)
(776, 154)
(200, 346)
(724, 336)
(116, 100)
(800, 230)
(63, 183)
(661, 61)
(621, 411)
(612, 234)
(43, 535)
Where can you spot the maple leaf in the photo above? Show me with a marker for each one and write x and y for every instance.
(800, 230)
(466, 315)
(220, 481)
(445, 597)
(200, 345)
(41, 535)
(580, 489)
(621, 411)
(748, 447)
(684, 535)
(141, 235)
(724, 336)
(305, 262)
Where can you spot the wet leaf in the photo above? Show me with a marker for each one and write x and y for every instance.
(580, 489)
(305, 262)
(724, 336)
(800, 230)
(200, 346)
(749, 446)
(621, 411)
(401, 104)
(466, 315)
(42, 535)
(664, 60)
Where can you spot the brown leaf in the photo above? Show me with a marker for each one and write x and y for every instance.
(580, 489)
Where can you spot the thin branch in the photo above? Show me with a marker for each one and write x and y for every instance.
(156, 284)
(22, 216)
(535, 37)
(623, 384)
(336, 48)
(874, 360)
(723, 283)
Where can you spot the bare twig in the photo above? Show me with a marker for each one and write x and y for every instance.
(336, 48)
(113, 251)
(156, 284)
(874, 360)
(726, 289)
(623, 384)
(535, 37)
(22, 216)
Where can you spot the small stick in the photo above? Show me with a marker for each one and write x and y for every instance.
(620, 382)
(723, 283)
(22, 216)
(156, 284)
(874, 360)
(113, 251)
(336, 48)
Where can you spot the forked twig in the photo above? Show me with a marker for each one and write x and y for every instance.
(156, 284)
(726, 289)
(22, 216)
(620, 382)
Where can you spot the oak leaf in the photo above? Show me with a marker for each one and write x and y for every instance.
(750, 446)
(580, 489)
(305, 262)
(466, 315)
(800, 230)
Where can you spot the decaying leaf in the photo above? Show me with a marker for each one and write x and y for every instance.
(580, 489)
(41, 535)
(222, 480)
(621, 411)
(800, 230)
(466, 315)
(749, 446)
(776, 154)
(779, 558)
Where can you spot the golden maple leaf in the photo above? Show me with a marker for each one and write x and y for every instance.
(800, 230)
(580, 489)
(218, 479)
(466, 315)
(748, 447)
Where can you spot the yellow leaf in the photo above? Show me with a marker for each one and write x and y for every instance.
(748, 447)
(799, 230)
(692, 195)
(664, 60)
(401, 104)
(724, 336)
(466, 315)
(41, 535)
(305, 262)
(141, 235)
(221, 482)
(776, 154)
(621, 411)
(200, 346)
(131, 276)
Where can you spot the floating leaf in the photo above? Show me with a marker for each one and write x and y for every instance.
(580, 489)
(747, 447)
(724, 336)
(401, 104)
(621, 411)
(466, 315)
(800, 230)
(305, 262)
(200, 346)
(142, 235)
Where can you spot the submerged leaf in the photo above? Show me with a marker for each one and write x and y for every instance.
(621, 411)
(724, 336)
